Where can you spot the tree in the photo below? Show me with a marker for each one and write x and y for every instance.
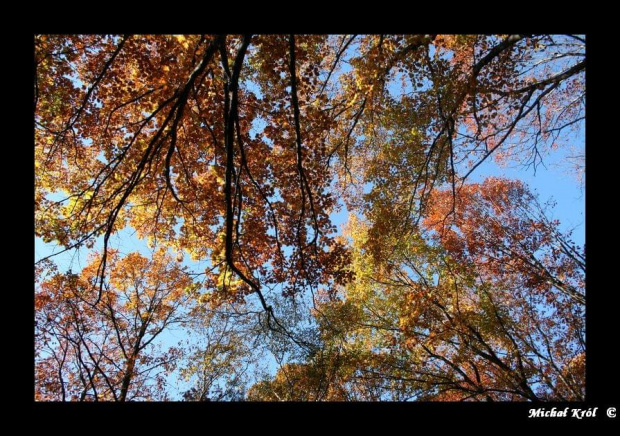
(224, 355)
(237, 149)
(109, 351)
(451, 316)
(166, 130)
(500, 226)
(428, 110)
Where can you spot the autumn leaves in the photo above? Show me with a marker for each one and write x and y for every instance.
(236, 149)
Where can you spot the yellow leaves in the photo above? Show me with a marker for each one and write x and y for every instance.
(226, 281)
(77, 204)
(182, 40)
(384, 143)
(192, 288)
(206, 299)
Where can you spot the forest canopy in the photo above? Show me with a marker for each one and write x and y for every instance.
(297, 218)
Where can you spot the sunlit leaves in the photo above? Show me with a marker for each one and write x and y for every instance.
(232, 152)
(107, 351)
(448, 316)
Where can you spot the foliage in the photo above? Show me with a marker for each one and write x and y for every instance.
(107, 351)
(233, 152)
(443, 318)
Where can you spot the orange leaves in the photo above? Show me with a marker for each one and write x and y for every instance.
(500, 226)
(106, 341)
(156, 154)
(465, 301)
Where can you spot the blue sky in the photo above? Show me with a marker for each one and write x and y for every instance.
(550, 182)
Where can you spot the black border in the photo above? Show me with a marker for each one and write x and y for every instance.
(601, 318)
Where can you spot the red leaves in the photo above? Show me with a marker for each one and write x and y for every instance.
(500, 226)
